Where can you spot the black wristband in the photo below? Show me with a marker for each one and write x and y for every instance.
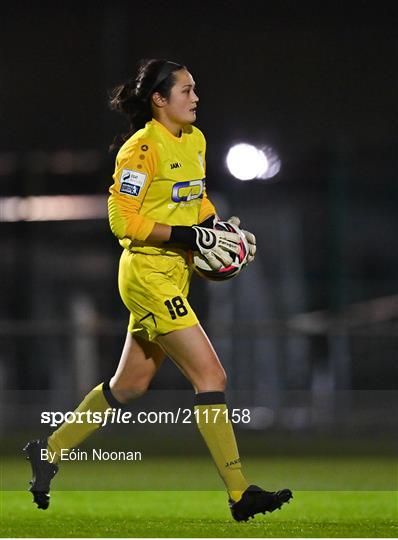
(183, 236)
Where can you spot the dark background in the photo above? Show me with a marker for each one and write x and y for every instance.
(318, 82)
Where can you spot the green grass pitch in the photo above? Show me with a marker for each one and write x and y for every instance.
(182, 513)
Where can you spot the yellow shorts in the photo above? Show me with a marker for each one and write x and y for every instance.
(154, 289)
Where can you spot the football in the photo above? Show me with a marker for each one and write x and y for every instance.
(201, 266)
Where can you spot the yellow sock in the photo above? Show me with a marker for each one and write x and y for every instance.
(70, 435)
(212, 418)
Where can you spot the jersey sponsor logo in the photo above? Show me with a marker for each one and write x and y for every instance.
(175, 165)
(188, 190)
(131, 182)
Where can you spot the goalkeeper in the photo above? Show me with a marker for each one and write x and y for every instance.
(159, 210)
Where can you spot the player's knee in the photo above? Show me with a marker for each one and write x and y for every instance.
(128, 395)
(212, 380)
(127, 392)
(221, 380)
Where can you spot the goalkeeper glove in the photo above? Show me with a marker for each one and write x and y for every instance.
(214, 245)
(251, 239)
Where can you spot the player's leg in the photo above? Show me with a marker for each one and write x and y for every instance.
(192, 351)
(138, 364)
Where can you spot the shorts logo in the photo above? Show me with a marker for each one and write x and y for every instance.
(131, 182)
(187, 191)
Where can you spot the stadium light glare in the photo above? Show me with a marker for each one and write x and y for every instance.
(273, 163)
(246, 162)
(53, 208)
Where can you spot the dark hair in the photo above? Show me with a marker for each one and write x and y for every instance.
(133, 97)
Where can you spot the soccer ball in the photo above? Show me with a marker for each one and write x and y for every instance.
(201, 266)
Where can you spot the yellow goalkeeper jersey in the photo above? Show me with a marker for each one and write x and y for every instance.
(159, 178)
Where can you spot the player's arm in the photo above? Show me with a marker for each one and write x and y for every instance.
(208, 217)
(135, 169)
(207, 211)
(215, 245)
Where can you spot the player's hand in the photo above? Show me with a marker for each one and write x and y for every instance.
(251, 239)
(216, 246)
